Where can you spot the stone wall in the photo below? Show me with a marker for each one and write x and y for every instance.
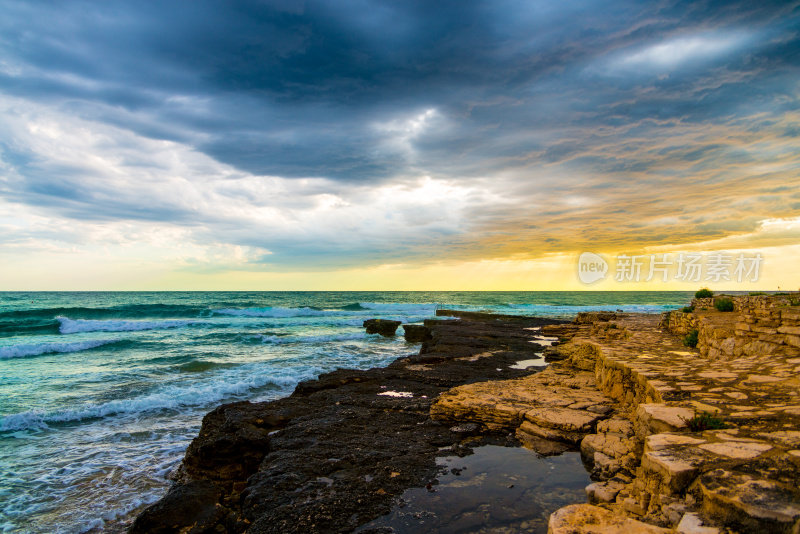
(650, 465)
(759, 324)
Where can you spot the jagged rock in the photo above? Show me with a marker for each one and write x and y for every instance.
(232, 442)
(191, 508)
(416, 333)
(384, 327)
(588, 519)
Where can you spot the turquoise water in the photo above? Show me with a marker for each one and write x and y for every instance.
(100, 393)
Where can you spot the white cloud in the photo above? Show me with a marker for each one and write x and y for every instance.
(78, 185)
(679, 51)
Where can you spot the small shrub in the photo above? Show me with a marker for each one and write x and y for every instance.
(704, 293)
(724, 305)
(687, 309)
(705, 421)
(690, 339)
(757, 293)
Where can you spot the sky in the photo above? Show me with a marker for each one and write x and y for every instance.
(419, 145)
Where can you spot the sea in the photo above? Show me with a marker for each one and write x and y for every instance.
(101, 392)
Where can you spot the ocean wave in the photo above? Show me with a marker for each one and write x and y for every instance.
(356, 306)
(73, 326)
(171, 398)
(199, 366)
(130, 311)
(281, 339)
(275, 312)
(36, 349)
(427, 308)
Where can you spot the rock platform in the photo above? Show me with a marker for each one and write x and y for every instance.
(646, 409)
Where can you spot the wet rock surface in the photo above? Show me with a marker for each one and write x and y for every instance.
(678, 439)
(384, 327)
(416, 333)
(336, 453)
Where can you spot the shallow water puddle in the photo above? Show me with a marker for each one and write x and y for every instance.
(545, 341)
(524, 364)
(496, 489)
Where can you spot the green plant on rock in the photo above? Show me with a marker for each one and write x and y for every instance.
(704, 293)
(724, 305)
(705, 421)
(757, 293)
(687, 309)
(690, 339)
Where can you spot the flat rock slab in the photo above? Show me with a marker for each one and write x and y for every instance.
(588, 519)
(741, 450)
(750, 502)
(656, 442)
(657, 418)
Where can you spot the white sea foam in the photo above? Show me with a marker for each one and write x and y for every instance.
(35, 349)
(172, 397)
(73, 326)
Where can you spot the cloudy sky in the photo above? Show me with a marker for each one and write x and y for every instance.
(283, 144)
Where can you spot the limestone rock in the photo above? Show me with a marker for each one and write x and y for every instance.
(751, 504)
(562, 418)
(676, 468)
(384, 327)
(603, 492)
(527, 429)
(692, 524)
(656, 442)
(740, 450)
(588, 519)
(658, 418)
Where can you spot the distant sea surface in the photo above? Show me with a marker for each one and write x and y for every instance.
(100, 393)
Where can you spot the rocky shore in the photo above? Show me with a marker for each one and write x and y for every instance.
(336, 453)
(678, 439)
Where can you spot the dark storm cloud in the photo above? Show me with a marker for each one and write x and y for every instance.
(625, 102)
(293, 88)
